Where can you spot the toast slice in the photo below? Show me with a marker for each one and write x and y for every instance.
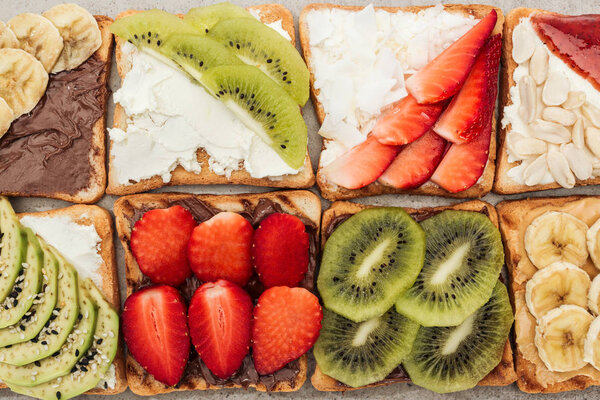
(515, 216)
(102, 222)
(129, 209)
(503, 184)
(503, 375)
(303, 179)
(334, 192)
(96, 154)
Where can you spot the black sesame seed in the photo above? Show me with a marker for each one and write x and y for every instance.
(158, 43)
(38, 364)
(54, 332)
(56, 353)
(201, 63)
(76, 352)
(44, 343)
(58, 395)
(282, 146)
(99, 341)
(84, 369)
(206, 30)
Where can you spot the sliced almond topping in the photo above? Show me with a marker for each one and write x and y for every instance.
(559, 115)
(527, 93)
(550, 132)
(579, 160)
(559, 168)
(556, 89)
(538, 65)
(592, 113)
(577, 134)
(574, 100)
(592, 140)
(535, 172)
(528, 147)
(523, 43)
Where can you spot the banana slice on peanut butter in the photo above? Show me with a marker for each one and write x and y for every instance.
(7, 37)
(39, 37)
(79, 31)
(6, 116)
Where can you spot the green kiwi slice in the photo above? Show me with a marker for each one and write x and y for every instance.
(449, 359)
(204, 18)
(369, 260)
(262, 106)
(462, 264)
(358, 354)
(257, 44)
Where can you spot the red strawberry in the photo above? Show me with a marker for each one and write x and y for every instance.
(415, 163)
(287, 322)
(361, 165)
(220, 249)
(445, 74)
(156, 332)
(158, 242)
(220, 317)
(406, 121)
(280, 250)
(468, 106)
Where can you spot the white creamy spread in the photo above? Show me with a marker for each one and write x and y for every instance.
(360, 60)
(277, 25)
(110, 378)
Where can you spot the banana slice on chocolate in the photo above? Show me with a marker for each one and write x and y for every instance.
(80, 34)
(39, 37)
(7, 37)
(6, 116)
(23, 80)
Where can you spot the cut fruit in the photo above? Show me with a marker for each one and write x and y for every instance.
(258, 45)
(204, 18)
(445, 74)
(457, 358)
(358, 354)
(406, 121)
(462, 264)
(416, 162)
(14, 247)
(361, 165)
(263, 106)
(369, 260)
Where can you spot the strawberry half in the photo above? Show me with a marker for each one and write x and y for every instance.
(445, 74)
(361, 165)
(158, 243)
(156, 332)
(468, 106)
(287, 322)
(280, 250)
(219, 248)
(415, 163)
(406, 121)
(220, 318)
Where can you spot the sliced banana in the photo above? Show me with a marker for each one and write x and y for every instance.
(558, 284)
(37, 36)
(560, 337)
(23, 80)
(591, 347)
(6, 116)
(593, 243)
(79, 31)
(594, 296)
(7, 37)
(556, 236)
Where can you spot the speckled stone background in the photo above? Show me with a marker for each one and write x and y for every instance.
(9, 8)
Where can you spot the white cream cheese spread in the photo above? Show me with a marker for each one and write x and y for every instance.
(276, 25)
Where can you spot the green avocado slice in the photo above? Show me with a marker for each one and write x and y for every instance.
(14, 247)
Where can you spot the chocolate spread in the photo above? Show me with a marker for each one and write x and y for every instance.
(48, 150)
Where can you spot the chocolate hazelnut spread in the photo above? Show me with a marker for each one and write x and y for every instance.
(48, 150)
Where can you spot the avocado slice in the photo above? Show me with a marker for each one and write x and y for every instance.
(14, 247)
(78, 342)
(26, 286)
(57, 328)
(102, 352)
(43, 304)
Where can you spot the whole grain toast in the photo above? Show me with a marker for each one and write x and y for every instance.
(303, 204)
(303, 179)
(514, 218)
(503, 184)
(333, 192)
(503, 375)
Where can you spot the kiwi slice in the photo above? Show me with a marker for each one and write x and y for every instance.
(360, 353)
(462, 264)
(204, 18)
(257, 44)
(450, 359)
(262, 106)
(369, 260)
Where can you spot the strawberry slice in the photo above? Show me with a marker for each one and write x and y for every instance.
(158, 243)
(219, 248)
(445, 74)
(280, 250)
(468, 106)
(287, 322)
(156, 332)
(406, 121)
(415, 163)
(220, 318)
(361, 165)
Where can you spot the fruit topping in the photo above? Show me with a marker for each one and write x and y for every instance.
(204, 18)
(286, 325)
(158, 243)
(220, 317)
(280, 250)
(156, 332)
(594, 296)
(593, 243)
(591, 345)
(219, 248)
(6, 117)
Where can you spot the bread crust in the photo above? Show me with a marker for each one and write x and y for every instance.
(503, 375)
(303, 179)
(300, 202)
(334, 192)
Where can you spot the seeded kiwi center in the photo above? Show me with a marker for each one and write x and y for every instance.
(459, 334)
(451, 265)
(373, 258)
(364, 330)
